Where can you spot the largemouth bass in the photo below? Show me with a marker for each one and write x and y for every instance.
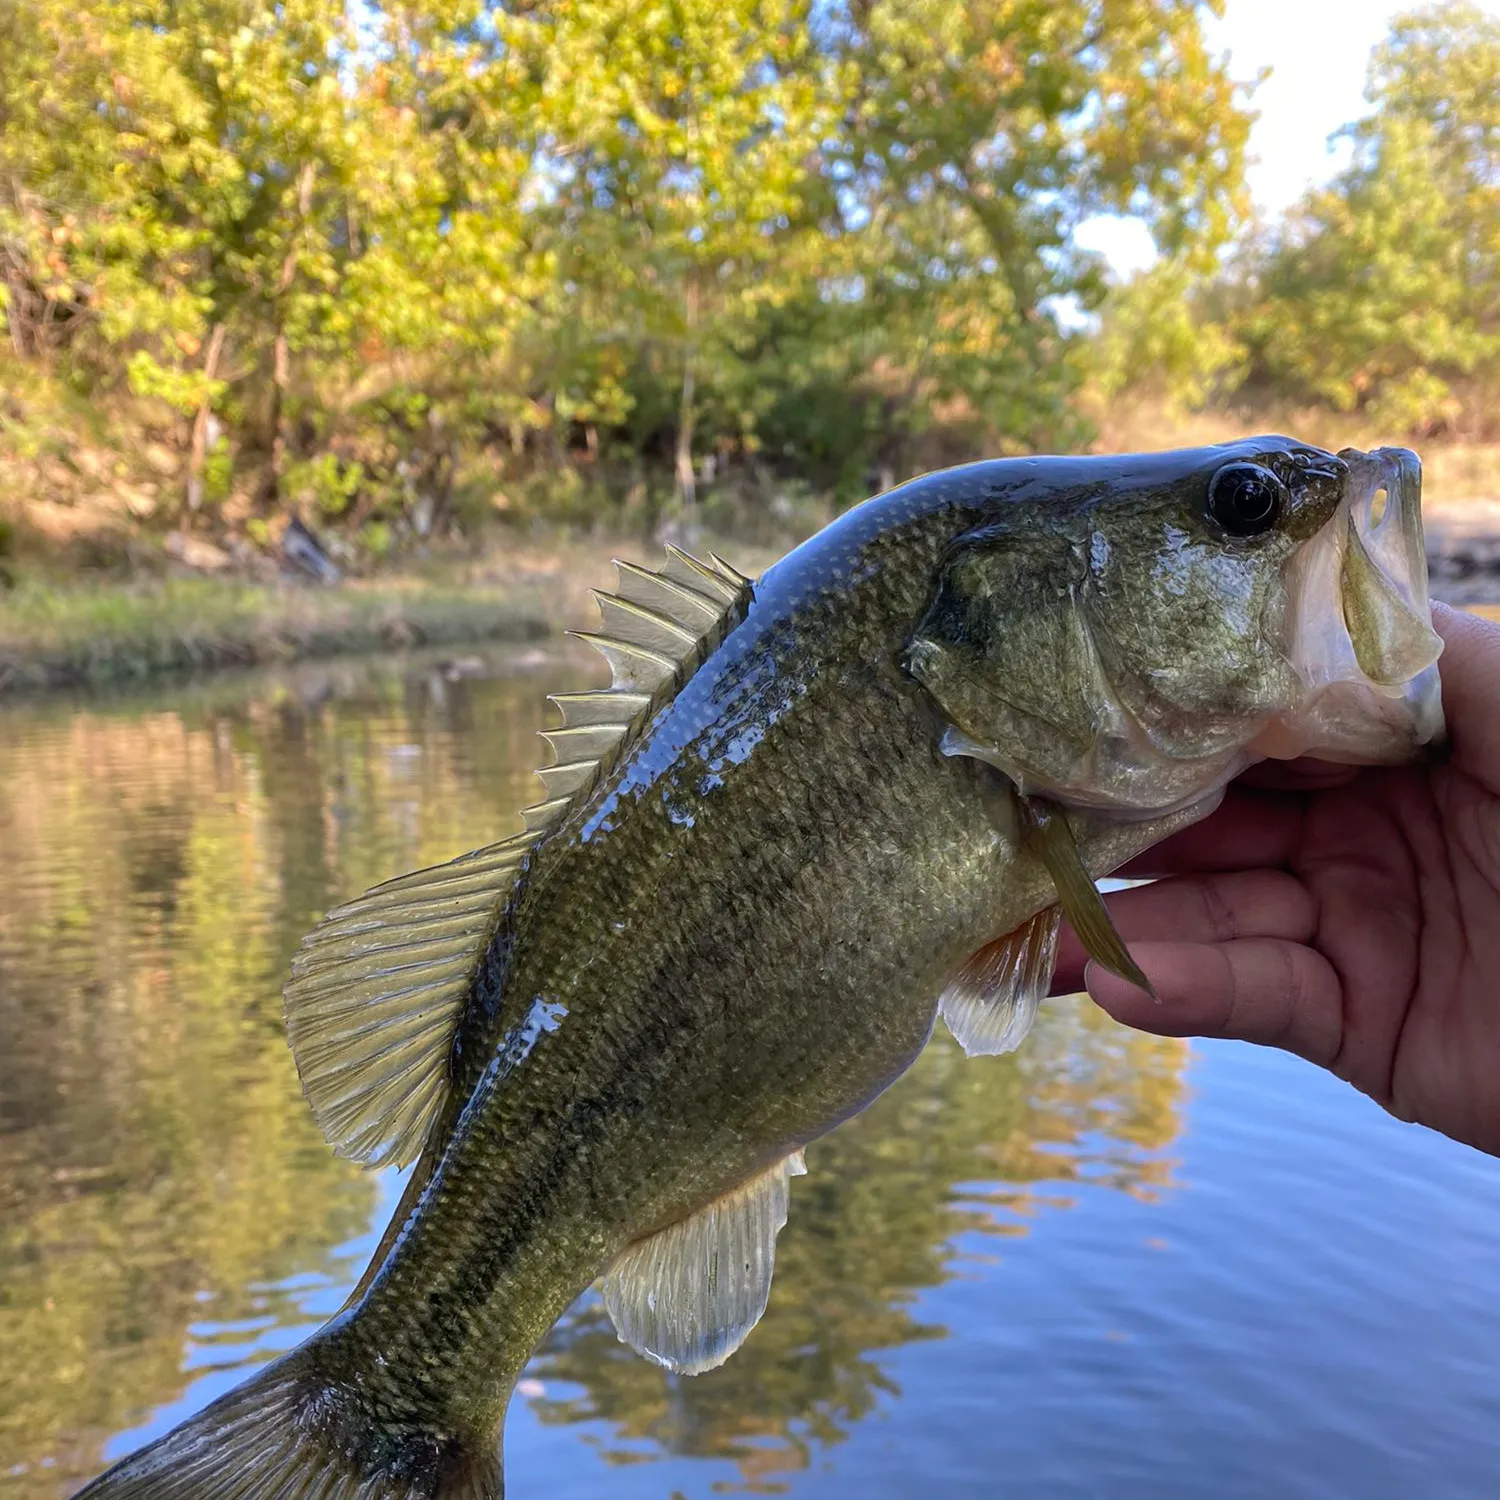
(811, 813)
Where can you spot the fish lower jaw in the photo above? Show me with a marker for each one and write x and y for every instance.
(1358, 722)
(1360, 634)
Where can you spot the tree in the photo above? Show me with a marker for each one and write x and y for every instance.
(181, 149)
(1164, 338)
(978, 137)
(374, 246)
(678, 148)
(816, 228)
(1382, 291)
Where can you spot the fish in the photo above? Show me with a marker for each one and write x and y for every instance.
(812, 813)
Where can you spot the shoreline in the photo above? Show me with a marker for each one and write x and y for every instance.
(59, 634)
(1463, 552)
(89, 637)
(116, 634)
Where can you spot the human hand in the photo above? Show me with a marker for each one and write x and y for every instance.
(1351, 916)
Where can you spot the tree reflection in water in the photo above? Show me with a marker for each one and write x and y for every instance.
(956, 1145)
(166, 1203)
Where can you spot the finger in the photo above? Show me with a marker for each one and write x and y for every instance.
(1250, 830)
(1199, 909)
(1470, 672)
(1264, 990)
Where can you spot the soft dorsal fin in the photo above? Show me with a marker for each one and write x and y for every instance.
(991, 1003)
(688, 1296)
(378, 989)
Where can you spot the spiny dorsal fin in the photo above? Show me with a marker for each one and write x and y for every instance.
(992, 1001)
(656, 630)
(376, 992)
(378, 988)
(715, 577)
(688, 1296)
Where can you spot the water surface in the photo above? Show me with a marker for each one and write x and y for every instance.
(1111, 1266)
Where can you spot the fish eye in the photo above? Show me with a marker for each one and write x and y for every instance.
(1245, 499)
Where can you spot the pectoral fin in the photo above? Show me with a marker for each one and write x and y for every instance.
(688, 1296)
(992, 1001)
(1045, 832)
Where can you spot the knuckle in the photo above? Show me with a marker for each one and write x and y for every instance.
(1219, 917)
(1289, 984)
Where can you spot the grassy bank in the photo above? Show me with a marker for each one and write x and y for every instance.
(58, 630)
(58, 636)
(97, 600)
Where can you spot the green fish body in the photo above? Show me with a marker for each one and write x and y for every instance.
(809, 811)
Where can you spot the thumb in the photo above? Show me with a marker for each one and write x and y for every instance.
(1265, 990)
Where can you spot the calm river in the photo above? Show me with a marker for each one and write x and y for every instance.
(1110, 1267)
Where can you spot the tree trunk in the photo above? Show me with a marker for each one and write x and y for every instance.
(15, 315)
(281, 354)
(687, 486)
(281, 373)
(199, 450)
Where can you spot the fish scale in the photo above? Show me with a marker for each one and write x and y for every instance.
(810, 812)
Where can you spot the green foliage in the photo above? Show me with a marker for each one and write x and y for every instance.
(1383, 292)
(324, 485)
(985, 132)
(1159, 339)
(426, 250)
(218, 473)
(183, 390)
(377, 539)
(1379, 293)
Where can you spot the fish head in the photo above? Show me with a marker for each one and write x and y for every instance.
(1137, 635)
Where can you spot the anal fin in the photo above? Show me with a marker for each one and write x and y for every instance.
(991, 1003)
(688, 1296)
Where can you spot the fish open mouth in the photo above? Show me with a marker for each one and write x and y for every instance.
(1360, 630)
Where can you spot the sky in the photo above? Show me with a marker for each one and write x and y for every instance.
(1318, 51)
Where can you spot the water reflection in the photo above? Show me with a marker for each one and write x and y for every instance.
(956, 1145)
(166, 1204)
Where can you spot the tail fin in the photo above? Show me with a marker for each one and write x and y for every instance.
(281, 1436)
